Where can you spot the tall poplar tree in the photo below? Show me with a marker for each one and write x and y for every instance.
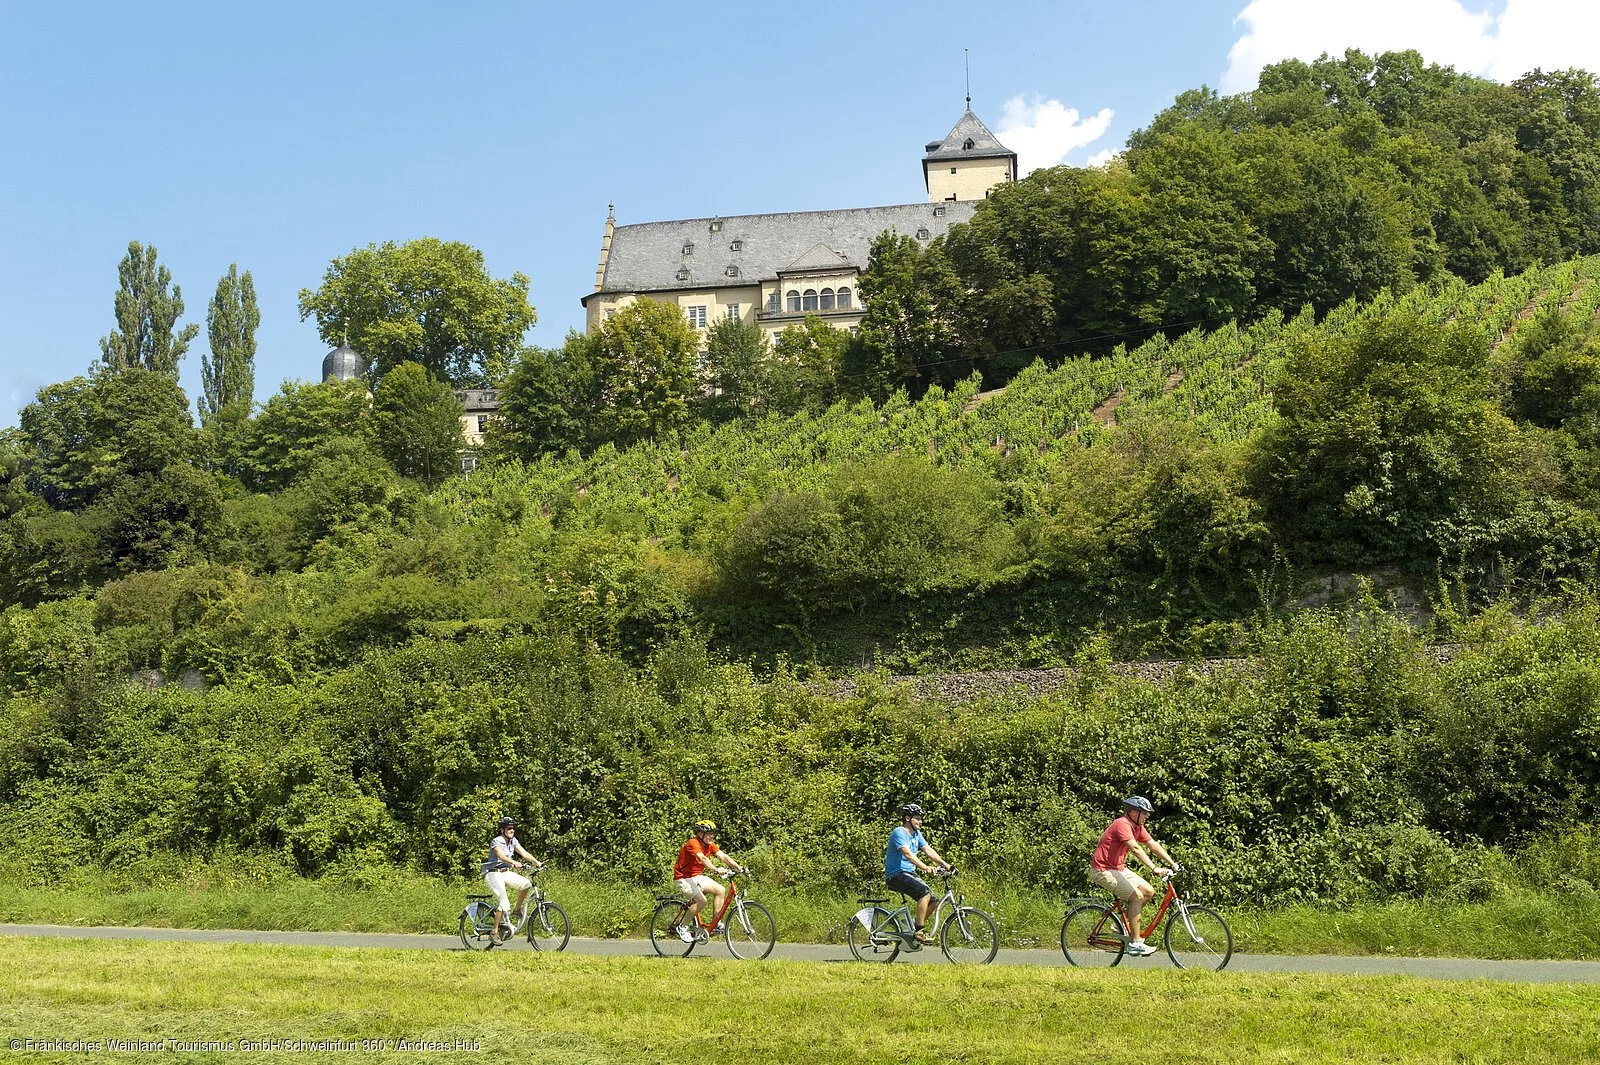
(228, 374)
(147, 317)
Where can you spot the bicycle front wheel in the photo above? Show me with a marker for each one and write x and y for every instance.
(1198, 939)
(477, 926)
(969, 937)
(877, 939)
(1093, 937)
(548, 928)
(750, 932)
(664, 924)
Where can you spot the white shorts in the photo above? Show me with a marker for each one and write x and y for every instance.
(1120, 882)
(696, 887)
(498, 883)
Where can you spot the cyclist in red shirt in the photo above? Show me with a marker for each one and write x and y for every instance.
(1108, 867)
(688, 875)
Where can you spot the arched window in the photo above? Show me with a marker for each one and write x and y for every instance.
(844, 299)
(827, 299)
(809, 302)
(967, 144)
(794, 300)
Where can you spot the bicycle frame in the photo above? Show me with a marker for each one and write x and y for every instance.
(906, 924)
(1171, 899)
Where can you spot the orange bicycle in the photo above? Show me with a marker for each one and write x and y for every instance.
(1196, 937)
(747, 927)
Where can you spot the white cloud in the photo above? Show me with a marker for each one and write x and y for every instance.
(1042, 132)
(1101, 158)
(1552, 34)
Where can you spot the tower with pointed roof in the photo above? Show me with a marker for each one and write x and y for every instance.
(968, 163)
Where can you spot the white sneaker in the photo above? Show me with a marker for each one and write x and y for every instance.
(1140, 949)
(684, 934)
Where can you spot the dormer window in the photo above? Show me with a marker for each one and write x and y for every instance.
(967, 145)
(683, 274)
(938, 212)
(732, 271)
(688, 248)
(923, 234)
(716, 225)
(737, 245)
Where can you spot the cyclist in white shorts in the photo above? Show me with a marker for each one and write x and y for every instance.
(688, 875)
(504, 850)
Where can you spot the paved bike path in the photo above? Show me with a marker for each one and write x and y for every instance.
(1575, 972)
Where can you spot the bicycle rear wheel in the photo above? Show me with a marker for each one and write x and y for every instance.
(664, 929)
(548, 927)
(750, 931)
(969, 937)
(477, 926)
(1198, 940)
(1093, 937)
(878, 939)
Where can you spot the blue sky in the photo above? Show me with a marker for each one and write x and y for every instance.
(281, 136)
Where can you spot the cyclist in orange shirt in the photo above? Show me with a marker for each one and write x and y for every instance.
(688, 875)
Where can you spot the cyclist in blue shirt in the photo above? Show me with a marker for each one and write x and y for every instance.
(902, 863)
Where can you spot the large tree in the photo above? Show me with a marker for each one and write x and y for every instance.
(228, 374)
(550, 401)
(416, 421)
(738, 367)
(427, 301)
(644, 358)
(147, 316)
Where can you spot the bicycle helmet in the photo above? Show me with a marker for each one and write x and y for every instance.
(910, 809)
(705, 824)
(507, 822)
(1138, 802)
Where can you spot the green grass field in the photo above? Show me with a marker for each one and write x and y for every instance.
(568, 1009)
(1513, 926)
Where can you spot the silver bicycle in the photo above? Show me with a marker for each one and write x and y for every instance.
(544, 922)
(966, 934)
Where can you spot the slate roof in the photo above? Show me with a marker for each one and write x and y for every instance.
(985, 145)
(650, 256)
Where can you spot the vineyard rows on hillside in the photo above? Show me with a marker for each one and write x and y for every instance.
(1220, 381)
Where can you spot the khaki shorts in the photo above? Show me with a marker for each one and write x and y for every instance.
(695, 887)
(1121, 883)
(505, 878)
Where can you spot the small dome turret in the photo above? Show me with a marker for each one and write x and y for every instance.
(343, 363)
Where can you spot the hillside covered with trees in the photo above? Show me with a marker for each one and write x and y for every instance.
(1346, 324)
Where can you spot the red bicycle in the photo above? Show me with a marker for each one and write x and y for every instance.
(747, 927)
(1196, 937)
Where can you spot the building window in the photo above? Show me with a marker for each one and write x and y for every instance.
(737, 245)
(922, 234)
(611, 312)
(774, 302)
(844, 299)
(683, 274)
(716, 225)
(827, 299)
(794, 300)
(483, 422)
(733, 310)
(808, 302)
(938, 212)
(952, 170)
(966, 145)
(688, 248)
(732, 271)
(697, 315)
